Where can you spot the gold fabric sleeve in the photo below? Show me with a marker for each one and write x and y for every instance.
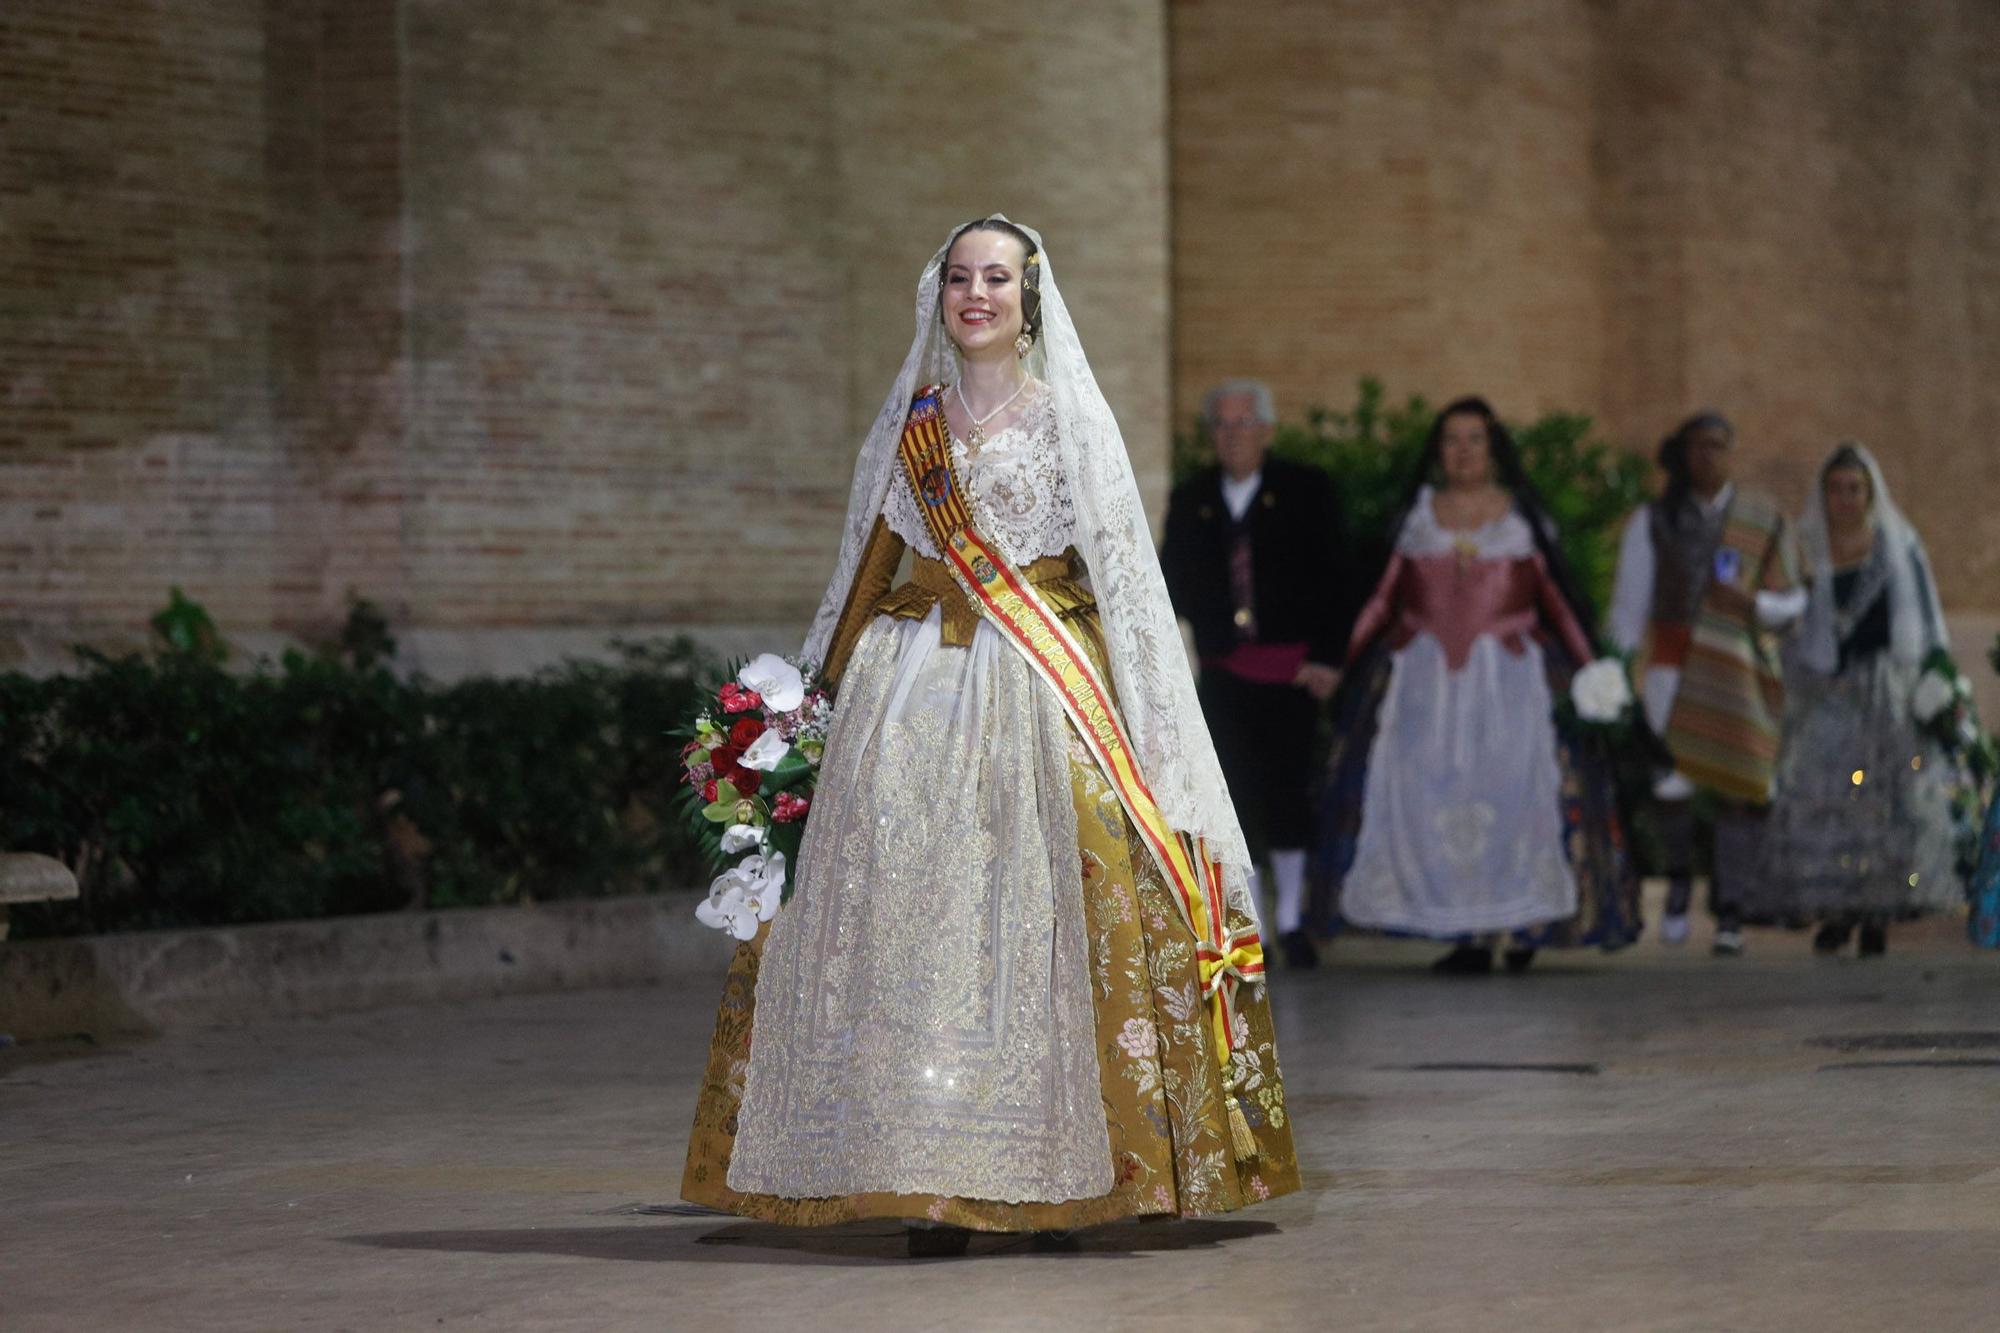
(872, 577)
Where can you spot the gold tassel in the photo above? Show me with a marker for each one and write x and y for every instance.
(1240, 1136)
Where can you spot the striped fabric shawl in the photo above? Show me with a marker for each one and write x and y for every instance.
(1725, 725)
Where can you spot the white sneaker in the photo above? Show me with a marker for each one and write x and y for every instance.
(1728, 943)
(1674, 928)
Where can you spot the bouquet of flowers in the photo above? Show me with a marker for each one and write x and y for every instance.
(1600, 695)
(1942, 707)
(749, 770)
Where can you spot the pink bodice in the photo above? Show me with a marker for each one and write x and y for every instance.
(1457, 600)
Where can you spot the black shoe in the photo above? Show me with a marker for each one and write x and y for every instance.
(1874, 940)
(1832, 937)
(1054, 1242)
(938, 1242)
(1466, 960)
(1300, 952)
(1519, 960)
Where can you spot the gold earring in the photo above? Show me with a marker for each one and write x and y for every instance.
(1023, 343)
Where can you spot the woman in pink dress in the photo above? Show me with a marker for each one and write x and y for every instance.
(1459, 805)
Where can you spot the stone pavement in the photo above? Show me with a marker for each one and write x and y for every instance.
(1655, 1141)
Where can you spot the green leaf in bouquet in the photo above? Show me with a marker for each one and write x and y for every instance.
(787, 838)
(722, 810)
(792, 769)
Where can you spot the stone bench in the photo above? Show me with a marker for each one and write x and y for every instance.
(28, 878)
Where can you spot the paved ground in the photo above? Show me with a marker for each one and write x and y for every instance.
(1658, 1141)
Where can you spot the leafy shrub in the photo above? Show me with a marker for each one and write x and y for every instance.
(185, 795)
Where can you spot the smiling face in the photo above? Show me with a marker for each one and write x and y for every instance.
(982, 293)
(1465, 452)
(1848, 496)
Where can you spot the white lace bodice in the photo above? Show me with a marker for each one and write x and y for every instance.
(1505, 538)
(1015, 488)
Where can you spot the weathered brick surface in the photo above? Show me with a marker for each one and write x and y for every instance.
(135, 436)
(512, 316)
(1634, 208)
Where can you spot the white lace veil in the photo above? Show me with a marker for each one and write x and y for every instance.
(1916, 620)
(1148, 661)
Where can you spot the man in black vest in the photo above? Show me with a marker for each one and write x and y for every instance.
(1252, 560)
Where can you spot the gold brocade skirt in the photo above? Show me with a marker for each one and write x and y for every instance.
(1158, 1079)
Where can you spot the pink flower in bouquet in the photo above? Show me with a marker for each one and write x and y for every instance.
(735, 699)
(789, 807)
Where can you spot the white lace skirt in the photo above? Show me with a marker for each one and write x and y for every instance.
(924, 1020)
(1461, 821)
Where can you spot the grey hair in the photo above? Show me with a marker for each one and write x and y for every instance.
(1258, 392)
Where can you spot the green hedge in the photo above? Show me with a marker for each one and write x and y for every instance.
(1371, 451)
(187, 795)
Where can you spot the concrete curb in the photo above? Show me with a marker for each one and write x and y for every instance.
(155, 981)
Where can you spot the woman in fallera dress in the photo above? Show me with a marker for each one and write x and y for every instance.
(999, 999)
(1861, 832)
(1456, 804)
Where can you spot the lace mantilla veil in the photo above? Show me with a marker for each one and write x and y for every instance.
(1149, 666)
(1916, 619)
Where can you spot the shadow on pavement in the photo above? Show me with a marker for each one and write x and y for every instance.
(763, 1242)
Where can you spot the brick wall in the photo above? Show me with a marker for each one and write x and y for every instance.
(1635, 208)
(136, 443)
(503, 314)
(518, 318)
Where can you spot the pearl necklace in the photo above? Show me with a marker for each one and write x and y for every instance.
(977, 435)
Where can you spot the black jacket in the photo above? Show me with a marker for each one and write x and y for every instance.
(1298, 554)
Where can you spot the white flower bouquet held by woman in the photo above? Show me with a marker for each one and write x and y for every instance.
(748, 773)
(1601, 693)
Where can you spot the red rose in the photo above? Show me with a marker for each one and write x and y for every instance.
(789, 807)
(724, 758)
(745, 780)
(745, 732)
(735, 699)
(708, 791)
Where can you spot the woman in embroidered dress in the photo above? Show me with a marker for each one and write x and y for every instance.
(1861, 832)
(1456, 807)
(982, 1008)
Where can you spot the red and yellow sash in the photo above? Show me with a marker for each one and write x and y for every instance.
(1226, 958)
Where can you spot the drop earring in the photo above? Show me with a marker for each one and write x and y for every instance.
(1023, 344)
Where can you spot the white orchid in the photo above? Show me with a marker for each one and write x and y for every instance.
(1601, 691)
(1933, 695)
(766, 752)
(779, 683)
(742, 837)
(744, 896)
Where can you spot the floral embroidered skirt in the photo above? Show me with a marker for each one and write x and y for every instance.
(1862, 824)
(1159, 1084)
(1589, 833)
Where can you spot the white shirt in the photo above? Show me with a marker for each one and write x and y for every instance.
(1238, 494)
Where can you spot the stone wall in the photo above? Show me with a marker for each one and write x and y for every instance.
(137, 443)
(1791, 212)
(521, 322)
(535, 323)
